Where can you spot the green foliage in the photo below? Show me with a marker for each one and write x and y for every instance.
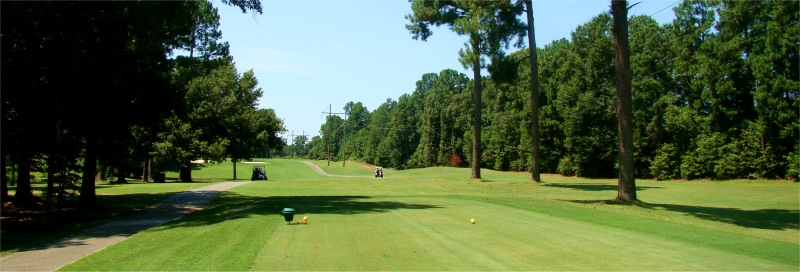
(666, 164)
(793, 163)
(714, 96)
(703, 160)
(568, 166)
(740, 157)
(267, 127)
(491, 26)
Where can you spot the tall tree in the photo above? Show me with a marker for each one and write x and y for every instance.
(554, 69)
(357, 120)
(29, 43)
(207, 54)
(51, 47)
(377, 150)
(627, 176)
(534, 63)
(688, 35)
(761, 57)
(585, 100)
(241, 119)
(490, 25)
(221, 111)
(652, 81)
(268, 128)
(63, 42)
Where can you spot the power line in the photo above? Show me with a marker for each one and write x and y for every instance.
(330, 112)
(660, 10)
(292, 140)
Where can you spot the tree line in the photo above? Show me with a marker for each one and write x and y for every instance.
(94, 89)
(714, 95)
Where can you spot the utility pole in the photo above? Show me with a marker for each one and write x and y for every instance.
(330, 112)
(344, 139)
(292, 140)
(330, 108)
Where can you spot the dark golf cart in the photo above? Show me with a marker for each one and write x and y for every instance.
(379, 172)
(259, 173)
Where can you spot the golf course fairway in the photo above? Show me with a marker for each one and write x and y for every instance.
(420, 220)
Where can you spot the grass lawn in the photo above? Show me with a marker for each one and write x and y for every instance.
(420, 220)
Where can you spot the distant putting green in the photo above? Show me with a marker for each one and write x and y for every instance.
(420, 220)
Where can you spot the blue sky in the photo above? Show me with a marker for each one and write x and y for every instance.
(311, 54)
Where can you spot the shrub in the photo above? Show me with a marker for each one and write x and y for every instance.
(740, 157)
(793, 162)
(666, 164)
(701, 161)
(520, 165)
(568, 167)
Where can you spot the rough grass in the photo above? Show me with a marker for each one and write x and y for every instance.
(419, 220)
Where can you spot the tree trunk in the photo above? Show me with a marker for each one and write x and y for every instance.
(24, 195)
(121, 165)
(186, 172)
(534, 62)
(627, 179)
(146, 171)
(476, 114)
(234, 170)
(88, 197)
(3, 176)
(52, 167)
(121, 176)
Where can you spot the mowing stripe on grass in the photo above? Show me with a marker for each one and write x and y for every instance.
(503, 238)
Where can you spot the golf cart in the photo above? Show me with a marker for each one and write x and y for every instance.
(379, 172)
(258, 173)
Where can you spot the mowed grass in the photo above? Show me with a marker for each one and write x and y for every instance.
(420, 220)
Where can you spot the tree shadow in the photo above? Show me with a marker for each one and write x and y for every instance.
(138, 213)
(234, 206)
(771, 219)
(33, 229)
(594, 187)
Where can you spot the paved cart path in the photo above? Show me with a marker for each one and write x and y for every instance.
(322, 172)
(62, 252)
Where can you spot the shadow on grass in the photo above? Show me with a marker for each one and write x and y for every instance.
(772, 219)
(235, 206)
(594, 187)
(34, 229)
